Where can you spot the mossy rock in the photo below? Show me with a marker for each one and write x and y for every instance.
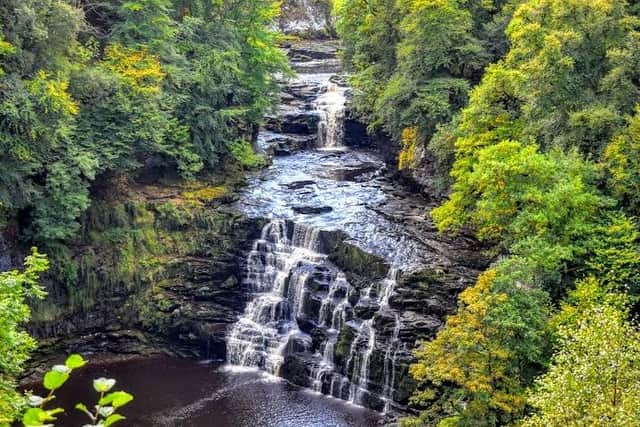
(357, 262)
(343, 346)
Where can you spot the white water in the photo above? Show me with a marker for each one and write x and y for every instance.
(301, 304)
(282, 269)
(276, 276)
(331, 106)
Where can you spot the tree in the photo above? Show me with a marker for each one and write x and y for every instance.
(110, 89)
(528, 203)
(16, 289)
(565, 82)
(486, 355)
(594, 378)
(622, 161)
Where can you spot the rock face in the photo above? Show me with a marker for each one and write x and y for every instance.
(327, 315)
(307, 18)
(158, 270)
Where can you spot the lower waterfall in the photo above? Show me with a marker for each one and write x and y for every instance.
(302, 305)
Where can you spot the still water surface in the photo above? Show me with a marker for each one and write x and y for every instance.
(177, 392)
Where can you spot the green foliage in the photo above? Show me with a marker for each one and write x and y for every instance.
(622, 161)
(243, 153)
(594, 378)
(16, 289)
(556, 86)
(104, 413)
(415, 60)
(97, 91)
(486, 356)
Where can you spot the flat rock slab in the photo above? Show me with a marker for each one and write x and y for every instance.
(296, 185)
(311, 210)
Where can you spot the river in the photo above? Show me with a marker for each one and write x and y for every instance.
(173, 392)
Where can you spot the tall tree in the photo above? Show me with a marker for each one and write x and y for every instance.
(486, 356)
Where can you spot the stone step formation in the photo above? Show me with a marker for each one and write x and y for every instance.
(302, 309)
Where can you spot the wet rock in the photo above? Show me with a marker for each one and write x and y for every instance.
(366, 308)
(353, 173)
(418, 327)
(311, 210)
(313, 49)
(289, 144)
(296, 185)
(295, 370)
(360, 266)
(318, 66)
(301, 91)
(294, 122)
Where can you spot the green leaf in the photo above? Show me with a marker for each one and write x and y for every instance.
(54, 379)
(82, 407)
(36, 417)
(116, 399)
(75, 361)
(112, 419)
(33, 417)
(51, 412)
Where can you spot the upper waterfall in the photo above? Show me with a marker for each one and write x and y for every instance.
(331, 105)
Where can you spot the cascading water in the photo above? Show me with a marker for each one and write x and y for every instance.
(305, 321)
(331, 106)
(360, 356)
(278, 268)
(292, 284)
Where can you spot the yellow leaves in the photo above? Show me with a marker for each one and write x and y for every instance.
(257, 43)
(622, 160)
(409, 156)
(140, 69)
(133, 6)
(53, 94)
(471, 353)
(5, 46)
(5, 49)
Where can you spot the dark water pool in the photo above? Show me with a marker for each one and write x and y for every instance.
(177, 392)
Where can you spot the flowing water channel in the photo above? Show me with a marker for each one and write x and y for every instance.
(302, 307)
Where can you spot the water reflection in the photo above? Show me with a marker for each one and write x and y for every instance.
(180, 392)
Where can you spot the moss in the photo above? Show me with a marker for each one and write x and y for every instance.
(173, 217)
(131, 252)
(343, 346)
(207, 194)
(354, 260)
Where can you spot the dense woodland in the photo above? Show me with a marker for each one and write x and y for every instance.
(529, 108)
(92, 91)
(528, 111)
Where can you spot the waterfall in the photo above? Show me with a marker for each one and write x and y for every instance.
(331, 106)
(360, 358)
(300, 306)
(276, 275)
